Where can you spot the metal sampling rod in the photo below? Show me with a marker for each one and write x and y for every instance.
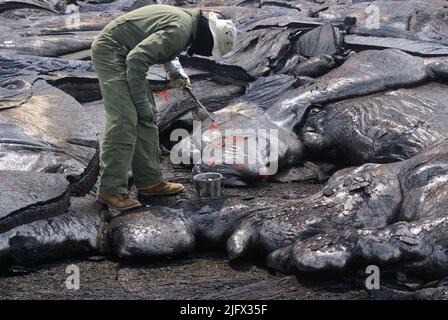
(199, 103)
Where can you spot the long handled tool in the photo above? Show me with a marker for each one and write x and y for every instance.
(200, 104)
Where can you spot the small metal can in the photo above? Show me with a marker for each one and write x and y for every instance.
(208, 185)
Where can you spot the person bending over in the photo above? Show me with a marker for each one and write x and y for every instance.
(121, 56)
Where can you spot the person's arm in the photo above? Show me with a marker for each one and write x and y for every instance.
(158, 48)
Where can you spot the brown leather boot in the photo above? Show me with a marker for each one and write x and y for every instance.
(161, 189)
(118, 202)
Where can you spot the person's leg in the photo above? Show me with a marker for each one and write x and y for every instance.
(146, 161)
(121, 119)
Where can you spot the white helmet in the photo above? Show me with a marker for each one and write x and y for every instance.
(224, 35)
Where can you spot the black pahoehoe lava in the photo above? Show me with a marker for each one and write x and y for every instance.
(385, 127)
(48, 145)
(370, 100)
(416, 243)
(242, 122)
(76, 232)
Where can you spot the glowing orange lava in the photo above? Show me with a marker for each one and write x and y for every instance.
(164, 95)
(234, 139)
(213, 125)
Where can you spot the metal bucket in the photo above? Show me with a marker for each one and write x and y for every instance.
(208, 185)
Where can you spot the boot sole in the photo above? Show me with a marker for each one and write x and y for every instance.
(100, 201)
(161, 193)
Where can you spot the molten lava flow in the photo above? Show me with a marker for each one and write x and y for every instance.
(240, 166)
(213, 125)
(235, 139)
(164, 95)
(222, 144)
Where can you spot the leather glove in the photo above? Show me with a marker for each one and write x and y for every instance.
(177, 75)
(145, 114)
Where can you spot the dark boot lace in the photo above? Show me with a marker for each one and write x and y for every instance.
(125, 196)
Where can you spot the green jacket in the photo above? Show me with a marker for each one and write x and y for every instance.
(153, 34)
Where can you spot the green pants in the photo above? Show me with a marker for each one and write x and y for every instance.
(128, 143)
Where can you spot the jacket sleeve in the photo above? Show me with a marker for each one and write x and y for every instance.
(158, 48)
